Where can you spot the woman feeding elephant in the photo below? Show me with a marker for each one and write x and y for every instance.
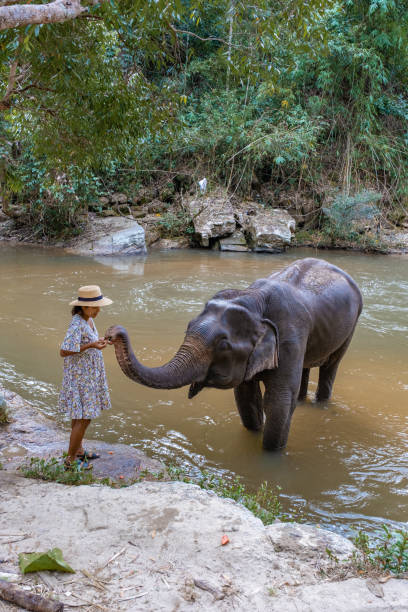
(274, 331)
(84, 393)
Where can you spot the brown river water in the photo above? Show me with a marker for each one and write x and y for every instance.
(346, 463)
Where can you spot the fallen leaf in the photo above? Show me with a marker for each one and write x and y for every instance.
(50, 560)
(224, 540)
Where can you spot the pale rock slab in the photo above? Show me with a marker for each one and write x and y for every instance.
(109, 236)
(213, 217)
(270, 230)
(304, 540)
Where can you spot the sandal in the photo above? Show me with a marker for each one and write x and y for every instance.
(88, 456)
(76, 465)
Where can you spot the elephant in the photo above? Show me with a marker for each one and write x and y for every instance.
(300, 317)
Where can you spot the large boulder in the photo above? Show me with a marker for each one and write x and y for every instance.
(240, 226)
(109, 236)
(213, 217)
(267, 229)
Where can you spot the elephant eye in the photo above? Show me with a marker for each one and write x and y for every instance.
(224, 345)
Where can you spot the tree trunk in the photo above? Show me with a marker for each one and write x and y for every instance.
(17, 15)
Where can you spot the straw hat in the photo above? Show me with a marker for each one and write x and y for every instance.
(90, 295)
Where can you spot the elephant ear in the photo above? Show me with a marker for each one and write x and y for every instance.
(266, 350)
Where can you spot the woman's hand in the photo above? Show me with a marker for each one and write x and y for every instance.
(99, 344)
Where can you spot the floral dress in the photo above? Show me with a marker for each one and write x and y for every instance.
(84, 392)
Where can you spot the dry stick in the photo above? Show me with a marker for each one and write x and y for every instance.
(29, 601)
(13, 541)
(97, 583)
(134, 596)
(110, 560)
(89, 603)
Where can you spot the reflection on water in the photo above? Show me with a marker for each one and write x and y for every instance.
(346, 462)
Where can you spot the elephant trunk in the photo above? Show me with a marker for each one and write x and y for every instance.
(189, 364)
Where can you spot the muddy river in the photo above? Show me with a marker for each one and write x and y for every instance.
(346, 463)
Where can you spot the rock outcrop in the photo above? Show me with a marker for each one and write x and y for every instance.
(31, 434)
(244, 226)
(109, 236)
(213, 217)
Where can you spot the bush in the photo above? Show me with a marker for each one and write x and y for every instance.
(387, 551)
(345, 213)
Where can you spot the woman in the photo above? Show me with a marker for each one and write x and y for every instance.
(84, 393)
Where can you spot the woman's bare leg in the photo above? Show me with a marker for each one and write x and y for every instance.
(78, 430)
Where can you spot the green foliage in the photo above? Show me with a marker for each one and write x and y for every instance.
(290, 95)
(345, 212)
(387, 551)
(175, 223)
(54, 470)
(263, 503)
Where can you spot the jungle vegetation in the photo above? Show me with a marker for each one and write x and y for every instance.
(282, 101)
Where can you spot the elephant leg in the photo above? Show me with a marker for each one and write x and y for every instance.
(278, 409)
(328, 371)
(248, 398)
(304, 384)
(279, 404)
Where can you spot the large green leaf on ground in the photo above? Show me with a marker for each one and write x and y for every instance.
(39, 561)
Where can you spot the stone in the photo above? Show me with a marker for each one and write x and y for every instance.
(109, 212)
(152, 234)
(103, 201)
(213, 217)
(119, 198)
(172, 243)
(235, 242)
(269, 230)
(304, 540)
(109, 236)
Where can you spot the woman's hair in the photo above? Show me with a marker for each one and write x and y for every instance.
(76, 310)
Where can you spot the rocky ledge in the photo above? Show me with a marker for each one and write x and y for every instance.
(30, 434)
(162, 545)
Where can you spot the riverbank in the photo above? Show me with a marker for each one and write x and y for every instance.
(158, 545)
(216, 222)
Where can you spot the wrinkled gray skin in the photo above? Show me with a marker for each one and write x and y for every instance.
(275, 331)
